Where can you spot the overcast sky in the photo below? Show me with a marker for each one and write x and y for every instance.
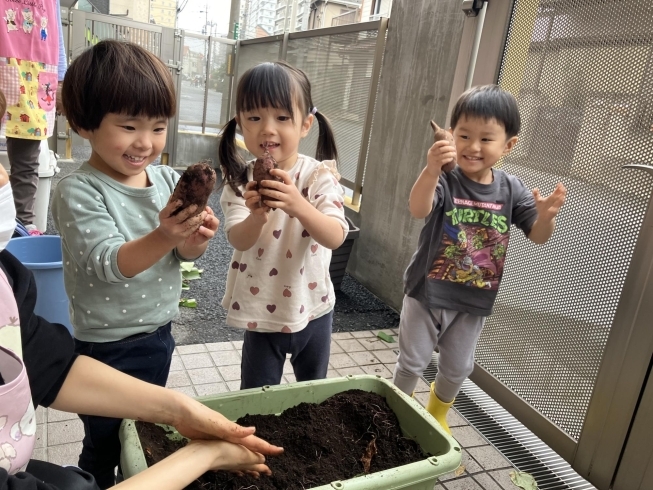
(192, 18)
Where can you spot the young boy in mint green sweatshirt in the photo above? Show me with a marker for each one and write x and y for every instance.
(121, 242)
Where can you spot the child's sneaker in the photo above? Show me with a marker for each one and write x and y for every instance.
(32, 230)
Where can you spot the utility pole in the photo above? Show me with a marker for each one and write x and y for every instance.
(206, 18)
(233, 18)
(293, 16)
(235, 31)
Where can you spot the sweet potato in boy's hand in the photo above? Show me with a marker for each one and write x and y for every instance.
(194, 187)
(439, 135)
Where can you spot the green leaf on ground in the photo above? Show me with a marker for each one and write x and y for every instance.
(385, 337)
(185, 286)
(190, 275)
(523, 480)
(187, 266)
(188, 303)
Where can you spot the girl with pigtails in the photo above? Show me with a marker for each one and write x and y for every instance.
(278, 287)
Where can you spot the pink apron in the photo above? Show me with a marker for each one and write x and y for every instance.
(29, 55)
(17, 417)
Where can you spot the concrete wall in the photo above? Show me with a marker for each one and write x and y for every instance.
(193, 147)
(418, 72)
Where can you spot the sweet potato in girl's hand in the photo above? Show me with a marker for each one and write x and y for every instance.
(261, 172)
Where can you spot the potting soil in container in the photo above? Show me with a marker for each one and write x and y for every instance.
(350, 434)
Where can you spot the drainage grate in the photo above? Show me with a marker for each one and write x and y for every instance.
(518, 444)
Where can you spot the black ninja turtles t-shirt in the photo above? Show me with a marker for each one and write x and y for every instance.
(462, 248)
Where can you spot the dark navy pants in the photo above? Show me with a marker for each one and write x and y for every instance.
(68, 478)
(143, 356)
(264, 354)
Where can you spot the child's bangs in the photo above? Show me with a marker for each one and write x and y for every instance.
(266, 86)
(488, 103)
(142, 93)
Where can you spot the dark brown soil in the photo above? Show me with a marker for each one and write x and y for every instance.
(347, 435)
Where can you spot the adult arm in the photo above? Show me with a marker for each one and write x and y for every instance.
(93, 388)
(190, 462)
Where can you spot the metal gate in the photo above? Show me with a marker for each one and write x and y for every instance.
(86, 29)
(569, 346)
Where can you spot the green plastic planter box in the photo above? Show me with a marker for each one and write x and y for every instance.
(415, 422)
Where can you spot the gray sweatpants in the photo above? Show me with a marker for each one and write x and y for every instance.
(421, 330)
(24, 177)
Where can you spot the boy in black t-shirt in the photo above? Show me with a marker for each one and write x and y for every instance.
(453, 277)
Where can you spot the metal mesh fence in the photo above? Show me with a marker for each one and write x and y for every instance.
(196, 75)
(339, 67)
(191, 92)
(97, 31)
(252, 54)
(582, 74)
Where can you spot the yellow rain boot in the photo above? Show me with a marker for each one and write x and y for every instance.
(438, 409)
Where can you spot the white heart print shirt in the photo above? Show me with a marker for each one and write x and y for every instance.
(282, 282)
(17, 416)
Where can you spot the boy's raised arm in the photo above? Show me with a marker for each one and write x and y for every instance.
(423, 191)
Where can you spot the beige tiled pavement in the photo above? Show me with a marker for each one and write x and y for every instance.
(206, 369)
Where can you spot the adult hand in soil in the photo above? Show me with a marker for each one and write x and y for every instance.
(179, 227)
(235, 458)
(196, 421)
(190, 462)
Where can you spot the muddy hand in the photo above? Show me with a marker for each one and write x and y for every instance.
(196, 421)
(254, 201)
(180, 226)
(206, 231)
(287, 195)
(235, 458)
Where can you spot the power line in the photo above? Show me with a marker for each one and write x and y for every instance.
(182, 7)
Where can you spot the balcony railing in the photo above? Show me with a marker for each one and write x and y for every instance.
(346, 18)
(344, 66)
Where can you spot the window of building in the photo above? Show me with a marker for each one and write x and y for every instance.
(376, 7)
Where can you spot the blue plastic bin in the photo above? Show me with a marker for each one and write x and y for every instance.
(42, 255)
